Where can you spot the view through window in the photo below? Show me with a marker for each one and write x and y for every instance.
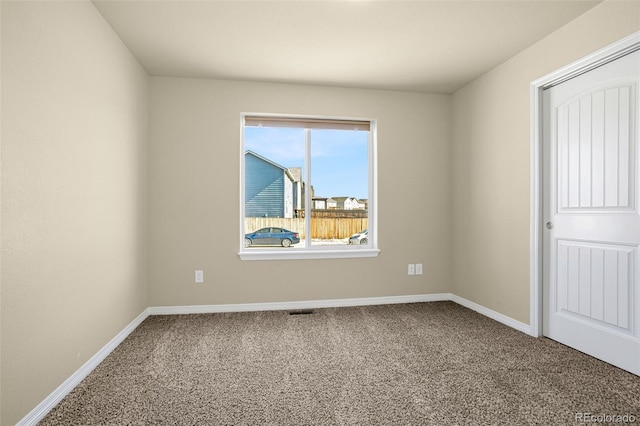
(307, 183)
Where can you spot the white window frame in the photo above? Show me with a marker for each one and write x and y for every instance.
(311, 251)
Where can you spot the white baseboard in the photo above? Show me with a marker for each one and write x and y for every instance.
(336, 303)
(307, 304)
(57, 395)
(520, 326)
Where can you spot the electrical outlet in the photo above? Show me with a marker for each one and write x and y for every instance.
(199, 276)
(418, 268)
(411, 270)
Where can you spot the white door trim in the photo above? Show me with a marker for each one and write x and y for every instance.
(589, 62)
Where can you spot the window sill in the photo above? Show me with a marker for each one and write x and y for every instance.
(289, 254)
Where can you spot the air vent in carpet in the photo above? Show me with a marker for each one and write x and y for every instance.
(301, 312)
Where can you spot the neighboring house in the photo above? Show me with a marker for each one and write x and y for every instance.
(271, 190)
(298, 191)
(319, 203)
(339, 203)
(346, 203)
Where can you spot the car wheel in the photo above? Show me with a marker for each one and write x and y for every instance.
(286, 242)
(364, 241)
(247, 242)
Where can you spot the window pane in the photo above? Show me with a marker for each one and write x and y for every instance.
(274, 160)
(340, 186)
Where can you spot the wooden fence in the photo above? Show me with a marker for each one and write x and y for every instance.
(321, 228)
(338, 213)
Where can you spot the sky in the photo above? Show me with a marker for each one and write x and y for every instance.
(339, 158)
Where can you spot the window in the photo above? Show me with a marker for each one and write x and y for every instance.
(307, 187)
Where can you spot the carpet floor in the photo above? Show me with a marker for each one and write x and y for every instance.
(411, 364)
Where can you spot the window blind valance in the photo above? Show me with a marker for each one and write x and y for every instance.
(306, 123)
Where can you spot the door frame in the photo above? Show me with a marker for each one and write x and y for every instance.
(585, 64)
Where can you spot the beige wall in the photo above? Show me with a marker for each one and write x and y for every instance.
(491, 167)
(74, 131)
(194, 194)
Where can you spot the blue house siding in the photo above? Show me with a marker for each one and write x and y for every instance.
(264, 187)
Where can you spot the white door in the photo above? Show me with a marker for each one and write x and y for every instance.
(591, 234)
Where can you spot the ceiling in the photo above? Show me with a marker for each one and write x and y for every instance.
(425, 46)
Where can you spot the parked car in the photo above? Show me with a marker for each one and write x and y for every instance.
(361, 237)
(271, 237)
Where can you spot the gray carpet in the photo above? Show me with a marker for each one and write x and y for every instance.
(412, 364)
